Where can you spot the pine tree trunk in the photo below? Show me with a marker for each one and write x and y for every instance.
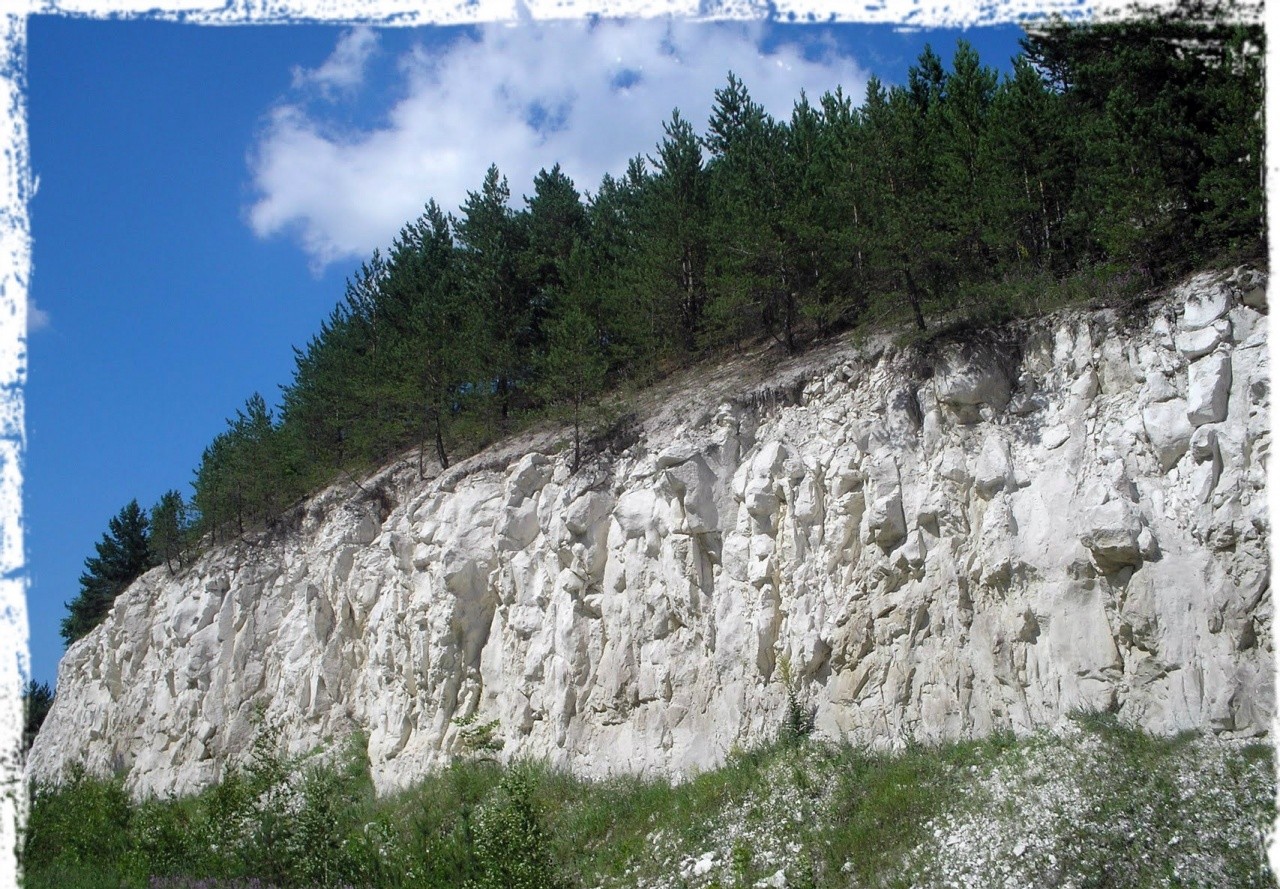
(440, 451)
(504, 403)
(913, 296)
(577, 439)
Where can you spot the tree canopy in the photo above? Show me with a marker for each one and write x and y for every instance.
(1118, 151)
(37, 699)
(122, 555)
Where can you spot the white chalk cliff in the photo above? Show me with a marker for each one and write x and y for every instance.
(941, 541)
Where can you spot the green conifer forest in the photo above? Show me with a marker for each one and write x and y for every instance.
(1112, 157)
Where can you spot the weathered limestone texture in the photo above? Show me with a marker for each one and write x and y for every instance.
(940, 541)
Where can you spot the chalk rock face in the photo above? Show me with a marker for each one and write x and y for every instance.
(1208, 388)
(937, 544)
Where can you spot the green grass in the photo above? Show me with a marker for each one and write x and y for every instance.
(1140, 811)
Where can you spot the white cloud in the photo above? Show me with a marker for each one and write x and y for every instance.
(588, 96)
(344, 69)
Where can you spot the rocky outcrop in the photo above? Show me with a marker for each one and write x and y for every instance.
(939, 542)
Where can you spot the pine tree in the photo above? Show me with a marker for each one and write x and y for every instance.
(246, 476)
(438, 343)
(169, 529)
(752, 273)
(373, 420)
(573, 367)
(312, 405)
(675, 235)
(1230, 193)
(1150, 99)
(612, 265)
(805, 224)
(218, 489)
(258, 460)
(1133, 145)
(905, 246)
(1028, 167)
(491, 240)
(837, 210)
(37, 698)
(960, 123)
(122, 556)
(557, 222)
(920, 237)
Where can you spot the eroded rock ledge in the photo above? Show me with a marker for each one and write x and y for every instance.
(941, 542)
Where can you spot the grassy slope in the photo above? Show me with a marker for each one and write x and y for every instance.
(1095, 805)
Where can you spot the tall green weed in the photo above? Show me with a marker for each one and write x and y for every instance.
(825, 815)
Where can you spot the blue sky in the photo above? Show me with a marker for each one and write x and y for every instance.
(205, 191)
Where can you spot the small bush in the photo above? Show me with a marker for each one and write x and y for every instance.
(83, 824)
(511, 846)
(479, 739)
(799, 721)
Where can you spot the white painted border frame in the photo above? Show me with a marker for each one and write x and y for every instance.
(17, 187)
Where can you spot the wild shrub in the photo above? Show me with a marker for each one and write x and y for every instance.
(310, 823)
(512, 848)
(83, 821)
(479, 740)
(166, 839)
(1109, 806)
(799, 720)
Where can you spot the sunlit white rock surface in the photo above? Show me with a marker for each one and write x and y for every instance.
(939, 542)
